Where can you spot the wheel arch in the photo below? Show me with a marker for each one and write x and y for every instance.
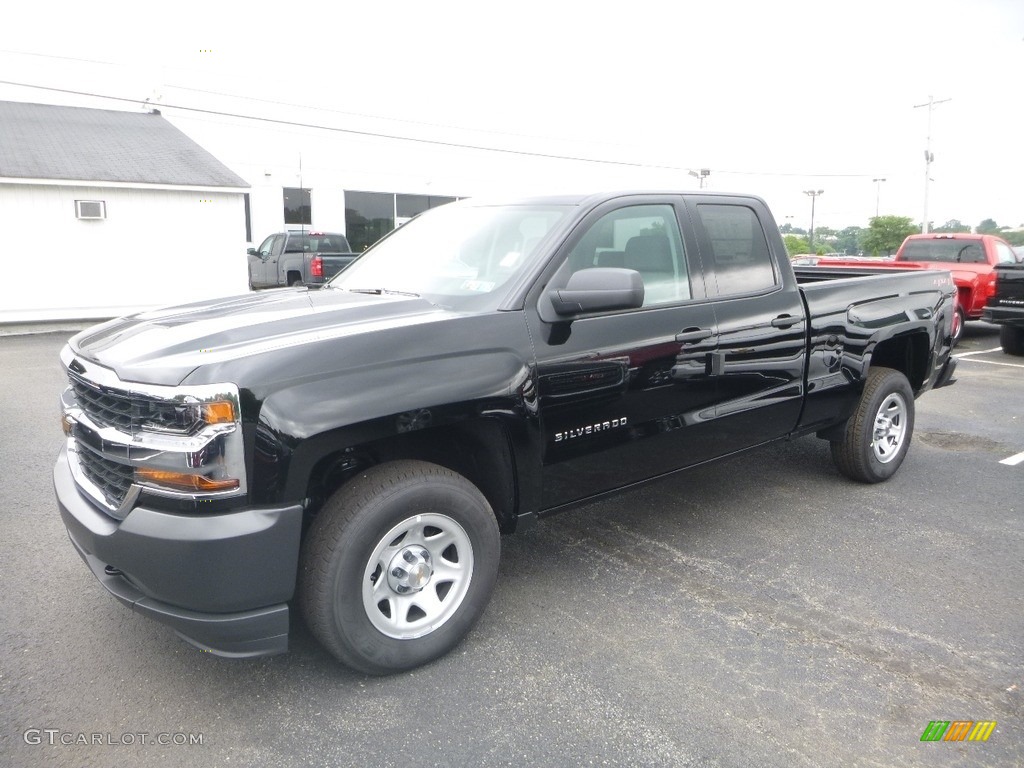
(479, 449)
(908, 354)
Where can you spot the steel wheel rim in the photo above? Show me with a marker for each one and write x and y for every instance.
(890, 428)
(435, 554)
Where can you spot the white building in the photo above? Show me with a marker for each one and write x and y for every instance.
(105, 212)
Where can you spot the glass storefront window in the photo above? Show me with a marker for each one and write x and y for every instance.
(408, 206)
(368, 217)
(297, 206)
(371, 215)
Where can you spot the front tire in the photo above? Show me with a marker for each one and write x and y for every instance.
(1011, 338)
(878, 434)
(398, 566)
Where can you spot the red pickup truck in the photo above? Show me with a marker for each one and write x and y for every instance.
(971, 259)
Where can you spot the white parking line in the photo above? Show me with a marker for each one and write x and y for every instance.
(995, 362)
(1014, 460)
(981, 352)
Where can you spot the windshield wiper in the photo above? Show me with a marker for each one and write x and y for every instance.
(382, 291)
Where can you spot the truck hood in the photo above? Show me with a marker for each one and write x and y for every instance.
(164, 346)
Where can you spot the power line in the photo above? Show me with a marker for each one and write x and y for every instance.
(351, 131)
(413, 139)
(301, 106)
(799, 175)
(61, 58)
(372, 116)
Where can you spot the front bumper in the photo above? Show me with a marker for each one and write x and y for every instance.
(945, 377)
(222, 582)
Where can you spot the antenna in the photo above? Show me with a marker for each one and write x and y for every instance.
(302, 198)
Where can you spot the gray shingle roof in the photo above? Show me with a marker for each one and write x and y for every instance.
(42, 141)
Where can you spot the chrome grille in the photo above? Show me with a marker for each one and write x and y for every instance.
(127, 411)
(106, 407)
(112, 478)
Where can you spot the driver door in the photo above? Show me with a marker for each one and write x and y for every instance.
(628, 394)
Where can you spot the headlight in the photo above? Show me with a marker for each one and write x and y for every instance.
(176, 441)
(198, 438)
(187, 415)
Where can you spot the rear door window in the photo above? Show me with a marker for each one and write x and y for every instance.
(736, 250)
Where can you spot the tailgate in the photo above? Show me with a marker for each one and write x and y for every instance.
(333, 264)
(1009, 285)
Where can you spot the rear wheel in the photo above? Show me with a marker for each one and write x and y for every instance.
(398, 566)
(1011, 337)
(878, 433)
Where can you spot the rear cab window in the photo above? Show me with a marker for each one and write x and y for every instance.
(944, 249)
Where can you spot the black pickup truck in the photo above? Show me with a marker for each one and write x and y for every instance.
(355, 451)
(298, 258)
(1007, 307)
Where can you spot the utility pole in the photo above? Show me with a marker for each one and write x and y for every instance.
(878, 193)
(814, 196)
(929, 158)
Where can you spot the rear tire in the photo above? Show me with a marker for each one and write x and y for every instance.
(1011, 337)
(878, 434)
(398, 566)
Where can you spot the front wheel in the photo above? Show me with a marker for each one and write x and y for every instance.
(398, 566)
(878, 434)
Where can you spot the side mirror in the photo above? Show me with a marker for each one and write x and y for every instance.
(598, 289)
(252, 252)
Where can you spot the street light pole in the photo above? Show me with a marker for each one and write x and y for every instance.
(814, 196)
(878, 193)
(929, 158)
(702, 176)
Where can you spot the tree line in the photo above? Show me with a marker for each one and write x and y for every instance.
(882, 237)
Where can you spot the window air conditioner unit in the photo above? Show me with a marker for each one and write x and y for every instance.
(90, 209)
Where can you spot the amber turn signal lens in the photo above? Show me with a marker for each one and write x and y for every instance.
(183, 481)
(220, 412)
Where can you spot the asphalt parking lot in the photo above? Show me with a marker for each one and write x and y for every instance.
(762, 611)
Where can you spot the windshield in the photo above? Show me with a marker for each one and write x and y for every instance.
(455, 254)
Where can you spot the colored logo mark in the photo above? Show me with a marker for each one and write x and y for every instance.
(958, 730)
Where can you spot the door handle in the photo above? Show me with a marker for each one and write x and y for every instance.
(787, 321)
(693, 334)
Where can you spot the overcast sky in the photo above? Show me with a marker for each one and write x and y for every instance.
(775, 98)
